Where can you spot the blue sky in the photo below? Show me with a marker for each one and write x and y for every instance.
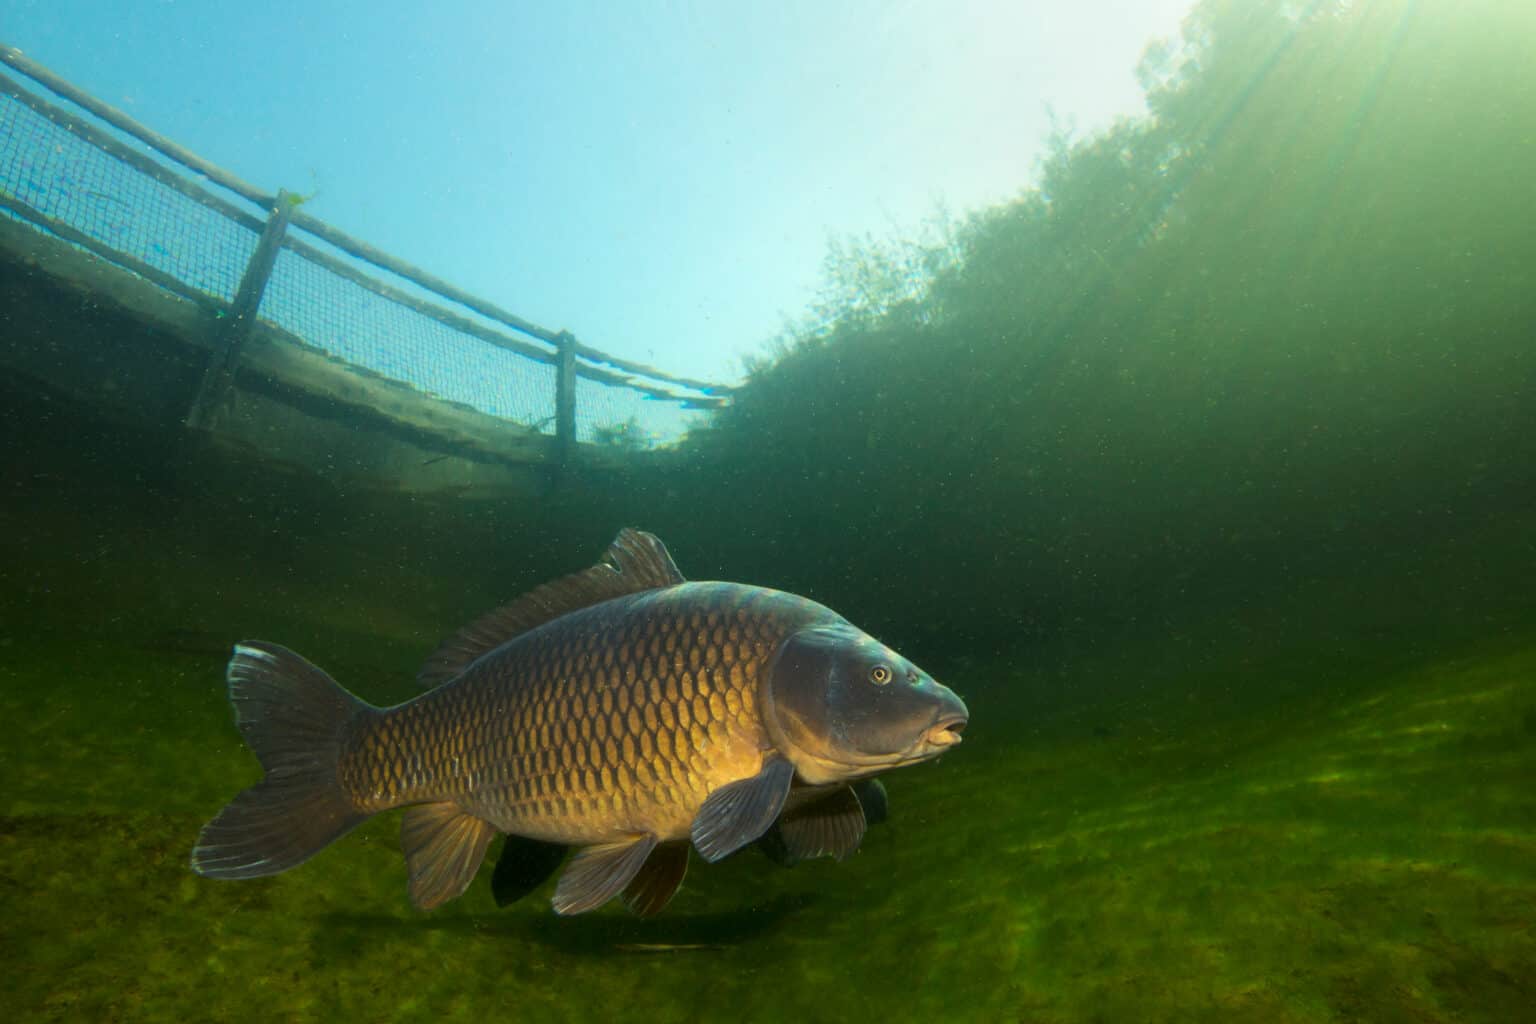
(662, 179)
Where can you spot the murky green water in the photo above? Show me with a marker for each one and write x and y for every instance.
(1204, 474)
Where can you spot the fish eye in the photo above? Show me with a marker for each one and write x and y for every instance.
(880, 675)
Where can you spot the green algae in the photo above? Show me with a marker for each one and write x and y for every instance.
(1322, 858)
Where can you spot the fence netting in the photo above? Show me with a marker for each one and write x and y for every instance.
(64, 176)
(349, 322)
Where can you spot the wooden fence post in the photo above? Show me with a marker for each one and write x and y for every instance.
(565, 397)
(231, 331)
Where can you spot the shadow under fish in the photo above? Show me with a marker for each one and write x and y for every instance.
(623, 712)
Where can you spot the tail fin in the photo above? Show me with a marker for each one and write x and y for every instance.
(295, 718)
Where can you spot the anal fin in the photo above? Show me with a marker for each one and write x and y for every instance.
(599, 873)
(657, 882)
(443, 847)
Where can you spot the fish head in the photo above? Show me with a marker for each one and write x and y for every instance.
(841, 706)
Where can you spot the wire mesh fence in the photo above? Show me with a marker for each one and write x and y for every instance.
(71, 175)
(351, 323)
(65, 177)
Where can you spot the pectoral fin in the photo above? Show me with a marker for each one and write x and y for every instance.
(829, 827)
(736, 814)
(599, 873)
(443, 849)
(873, 798)
(523, 866)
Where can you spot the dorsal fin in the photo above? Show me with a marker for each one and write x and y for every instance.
(635, 561)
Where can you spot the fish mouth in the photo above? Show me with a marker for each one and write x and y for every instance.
(931, 743)
(945, 732)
